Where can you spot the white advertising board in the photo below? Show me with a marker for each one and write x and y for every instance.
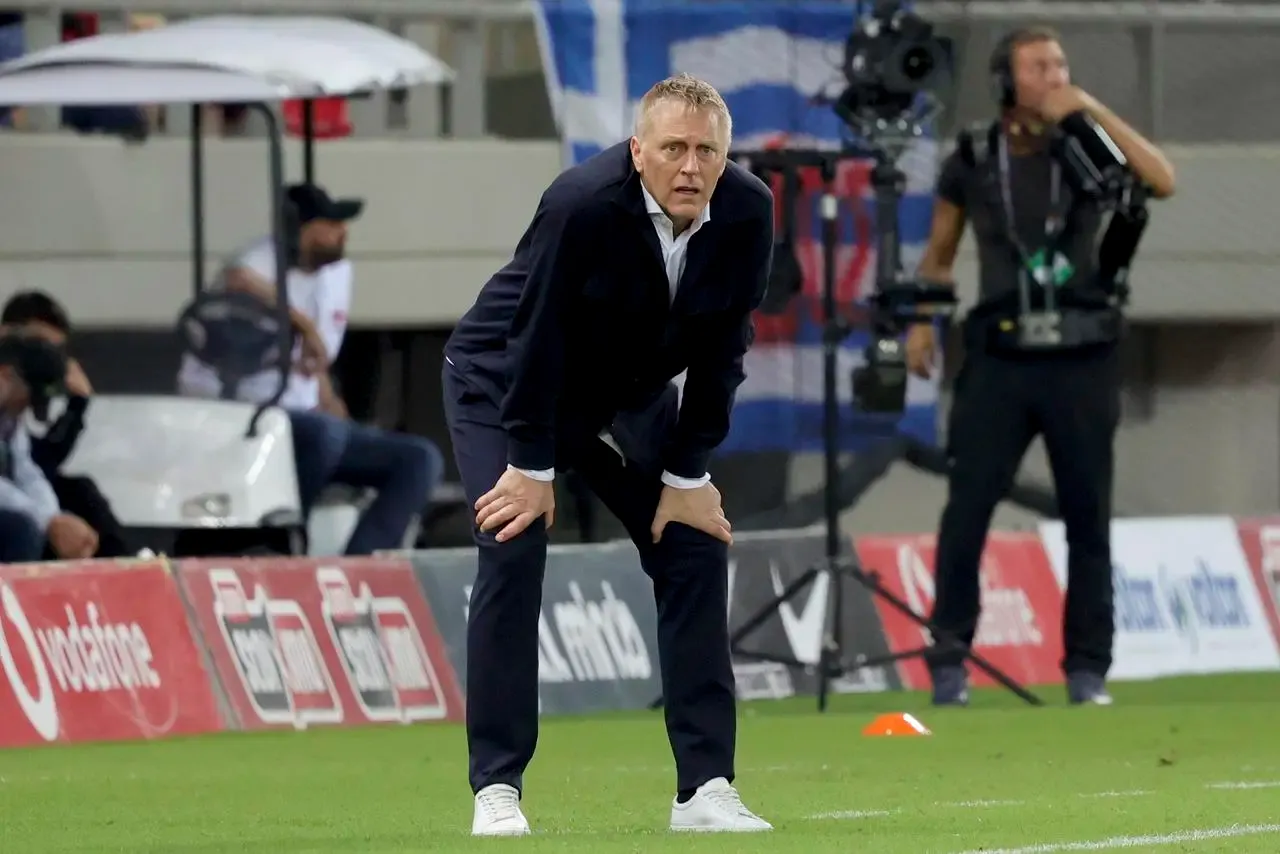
(1185, 600)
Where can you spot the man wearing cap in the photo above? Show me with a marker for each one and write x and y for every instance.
(328, 446)
(31, 373)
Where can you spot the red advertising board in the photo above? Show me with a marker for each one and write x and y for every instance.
(1260, 539)
(96, 651)
(1020, 630)
(299, 642)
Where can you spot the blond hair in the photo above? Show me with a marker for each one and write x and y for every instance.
(688, 90)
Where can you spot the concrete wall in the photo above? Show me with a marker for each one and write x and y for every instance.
(106, 226)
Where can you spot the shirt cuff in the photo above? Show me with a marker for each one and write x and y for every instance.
(685, 482)
(544, 475)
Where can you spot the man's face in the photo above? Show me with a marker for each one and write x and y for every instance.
(680, 156)
(1038, 68)
(324, 241)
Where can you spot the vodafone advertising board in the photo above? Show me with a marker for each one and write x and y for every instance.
(1185, 599)
(98, 651)
(1020, 629)
(1260, 539)
(298, 642)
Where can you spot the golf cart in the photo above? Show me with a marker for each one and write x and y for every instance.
(216, 477)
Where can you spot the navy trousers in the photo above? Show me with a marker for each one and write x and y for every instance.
(689, 570)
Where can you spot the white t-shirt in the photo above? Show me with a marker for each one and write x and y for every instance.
(324, 296)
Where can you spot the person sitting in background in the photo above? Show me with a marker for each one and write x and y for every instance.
(38, 314)
(133, 123)
(32, 524)
(13, 44)
(328, 446)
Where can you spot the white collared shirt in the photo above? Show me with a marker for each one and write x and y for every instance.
(675, 248)
(675, 251)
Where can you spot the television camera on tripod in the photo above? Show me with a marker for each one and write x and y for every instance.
(893, 66)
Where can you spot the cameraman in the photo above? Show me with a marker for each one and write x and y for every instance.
(1037, 242)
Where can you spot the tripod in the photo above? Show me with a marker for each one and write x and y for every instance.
(888, 182)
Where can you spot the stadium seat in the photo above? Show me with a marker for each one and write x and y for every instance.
(329, 118)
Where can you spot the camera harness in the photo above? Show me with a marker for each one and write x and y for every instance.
(1047, 266)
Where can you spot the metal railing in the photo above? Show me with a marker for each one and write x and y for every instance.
(458, 31)
(469, 35)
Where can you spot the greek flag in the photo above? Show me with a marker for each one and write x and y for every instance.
(768, 58)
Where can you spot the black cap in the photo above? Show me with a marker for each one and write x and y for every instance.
(313, 203)
(39, 364)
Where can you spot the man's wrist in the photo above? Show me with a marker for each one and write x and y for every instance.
(677, 482)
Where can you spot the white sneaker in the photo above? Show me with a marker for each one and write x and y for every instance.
(716, 808)
(498, 812)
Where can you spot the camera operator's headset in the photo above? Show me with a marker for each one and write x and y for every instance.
(1000, 67)
(978, 141)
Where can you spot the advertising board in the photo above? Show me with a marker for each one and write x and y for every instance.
(300, 642)
(98, 650)
(597, 636)
(761, 566)
(1185, 598)
(1020, 627)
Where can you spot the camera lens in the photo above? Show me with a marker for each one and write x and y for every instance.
(917, 62)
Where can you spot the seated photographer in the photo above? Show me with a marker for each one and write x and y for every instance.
(1040, 346)
(32, 524)
(329, 448)
(37, 314)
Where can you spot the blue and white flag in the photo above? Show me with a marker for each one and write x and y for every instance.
(768, 58)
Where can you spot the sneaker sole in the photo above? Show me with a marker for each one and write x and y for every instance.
(502, 833)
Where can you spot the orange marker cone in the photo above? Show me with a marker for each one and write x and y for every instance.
(896, 723)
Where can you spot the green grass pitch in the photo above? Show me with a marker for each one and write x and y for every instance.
(1177, 765)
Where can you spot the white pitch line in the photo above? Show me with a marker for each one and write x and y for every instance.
(845, 815)
(1244, 784)
(841, 815)
(1116, 842)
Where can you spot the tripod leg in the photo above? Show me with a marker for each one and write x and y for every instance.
(829, 666)
(871, 581)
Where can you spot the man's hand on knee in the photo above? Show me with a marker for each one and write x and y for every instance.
(513, 504)
(698, 508)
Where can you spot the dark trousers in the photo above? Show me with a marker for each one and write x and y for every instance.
(403, 470)
(81, 497)
(689, 570)
(1000, 406)
(21, 540)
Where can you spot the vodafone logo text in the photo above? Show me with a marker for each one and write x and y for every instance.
(98, 651)
(79, 654)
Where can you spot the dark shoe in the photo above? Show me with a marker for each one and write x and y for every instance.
(950, 686)
(1085, 688)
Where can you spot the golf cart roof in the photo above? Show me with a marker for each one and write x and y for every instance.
(221, 59)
